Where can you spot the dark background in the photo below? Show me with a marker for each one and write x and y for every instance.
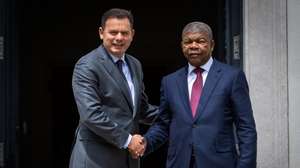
(54, 34)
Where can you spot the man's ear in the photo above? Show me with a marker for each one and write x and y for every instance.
(133, 32)
(212, 46)
(100, 31)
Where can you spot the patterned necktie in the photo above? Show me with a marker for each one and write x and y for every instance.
(196, 90)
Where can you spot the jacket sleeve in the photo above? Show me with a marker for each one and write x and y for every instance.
(149, 111)
(245, 124)
(88, 99)
(158, 133)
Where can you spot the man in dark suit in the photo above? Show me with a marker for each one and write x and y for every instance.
(109, 92)
(203, 107)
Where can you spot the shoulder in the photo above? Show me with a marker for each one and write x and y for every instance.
(88, 58)
(88, 62)
(225, 67)
(179, 72)
(133, 59)
(231, 72)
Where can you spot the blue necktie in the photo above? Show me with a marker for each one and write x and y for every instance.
(119, 64)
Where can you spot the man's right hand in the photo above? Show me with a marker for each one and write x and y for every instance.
(137, 146)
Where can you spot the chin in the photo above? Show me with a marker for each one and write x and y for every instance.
(117, 53)
(195, 63)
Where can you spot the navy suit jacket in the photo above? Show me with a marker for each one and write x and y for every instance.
(224, 118)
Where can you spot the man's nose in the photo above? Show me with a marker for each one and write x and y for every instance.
(194, 44)
(119, 36)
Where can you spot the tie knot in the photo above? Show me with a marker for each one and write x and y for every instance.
(119, 65)
(198, 70)
(119, 62)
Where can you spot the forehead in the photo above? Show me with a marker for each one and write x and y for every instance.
(195, 35)
(117, 23)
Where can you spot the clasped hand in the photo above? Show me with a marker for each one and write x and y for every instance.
(137, 146)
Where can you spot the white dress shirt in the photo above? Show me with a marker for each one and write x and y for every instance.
(191, 77)
(126, 71)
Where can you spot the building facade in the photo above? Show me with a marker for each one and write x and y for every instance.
(269, 44)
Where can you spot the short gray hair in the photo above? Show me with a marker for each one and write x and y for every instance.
(198, 27)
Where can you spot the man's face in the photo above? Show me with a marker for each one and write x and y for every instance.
(197, 47)
(117, 35)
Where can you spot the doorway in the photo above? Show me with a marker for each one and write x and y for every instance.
(55, 34)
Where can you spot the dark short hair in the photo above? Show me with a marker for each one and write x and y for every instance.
(117, 13)
(198, 27)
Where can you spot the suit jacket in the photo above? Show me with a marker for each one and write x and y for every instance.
(107, 113)
(224, 111)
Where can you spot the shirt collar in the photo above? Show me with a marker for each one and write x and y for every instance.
(115, 58)
(205, 67)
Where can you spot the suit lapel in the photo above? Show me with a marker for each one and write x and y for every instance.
(183, 89)
(212, 79)
(115, 74)
(133, 72)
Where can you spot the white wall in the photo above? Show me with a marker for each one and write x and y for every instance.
(266, 67)
(294, 81)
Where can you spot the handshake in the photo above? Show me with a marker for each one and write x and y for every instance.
(137, 146)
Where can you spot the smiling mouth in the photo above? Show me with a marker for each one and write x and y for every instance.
(118, 45)
(193, 55)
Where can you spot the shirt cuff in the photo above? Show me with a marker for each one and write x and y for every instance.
(128, 141)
